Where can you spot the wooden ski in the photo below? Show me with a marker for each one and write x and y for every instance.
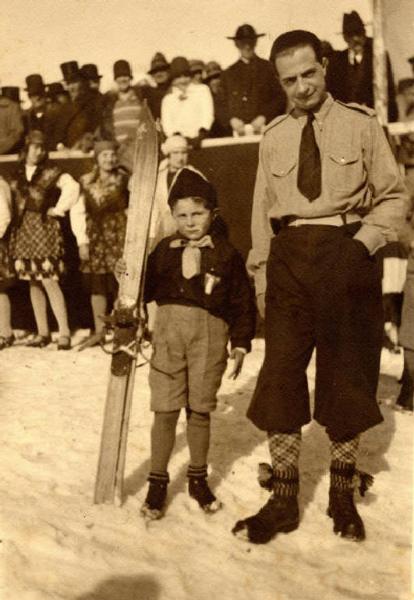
(127, 315)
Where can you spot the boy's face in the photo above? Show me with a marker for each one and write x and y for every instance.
(191, 217)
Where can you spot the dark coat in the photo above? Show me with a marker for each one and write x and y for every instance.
(252, 89)
(154, 96)
(231, 299)
(355, 83)
(78, 119)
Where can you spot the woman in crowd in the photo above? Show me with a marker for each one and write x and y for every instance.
(41, 193)
(6, 266)
(98, 221)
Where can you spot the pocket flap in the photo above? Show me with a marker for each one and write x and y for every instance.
(344, 158)
(283, 167)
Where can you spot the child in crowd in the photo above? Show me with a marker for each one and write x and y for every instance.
(204, 299)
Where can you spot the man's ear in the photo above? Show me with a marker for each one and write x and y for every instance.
(324, 64)
(215, 213)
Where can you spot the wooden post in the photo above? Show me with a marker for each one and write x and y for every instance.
(380, 64)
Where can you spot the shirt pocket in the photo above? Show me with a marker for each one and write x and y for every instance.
(344, 171)
(284, 174)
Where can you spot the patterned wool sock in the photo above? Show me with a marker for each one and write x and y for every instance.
(343, 460)
(284, 452)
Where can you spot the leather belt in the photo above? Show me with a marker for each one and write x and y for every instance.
(333, 220)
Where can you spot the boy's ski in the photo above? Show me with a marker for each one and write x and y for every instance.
(127, 315)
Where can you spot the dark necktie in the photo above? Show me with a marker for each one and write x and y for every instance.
(309, 170)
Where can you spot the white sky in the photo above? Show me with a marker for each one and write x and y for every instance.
(38, 35)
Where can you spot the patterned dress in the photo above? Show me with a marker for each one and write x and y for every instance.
(36, 243)
(105, 207)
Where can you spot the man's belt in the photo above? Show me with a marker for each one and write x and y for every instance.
(332, 220)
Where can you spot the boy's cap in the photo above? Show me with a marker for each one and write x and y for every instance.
(188, 183)
(173, 143)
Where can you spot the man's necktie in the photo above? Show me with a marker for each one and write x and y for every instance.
(191, 257)
(309, 170)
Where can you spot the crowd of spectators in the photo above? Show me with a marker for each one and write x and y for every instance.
(188, 97)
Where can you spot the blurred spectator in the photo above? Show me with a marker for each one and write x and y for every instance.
(405, 98)
(350, 75)
(188, 108)
(11, 125)
(252, 94)
(212, 78)
(79, 119)
(56, 93)
(90, 74)
(175, 149)
(12, 92)
(411, 61)
(159, 72)
(122, 112)
(196, 70)
(327, 49)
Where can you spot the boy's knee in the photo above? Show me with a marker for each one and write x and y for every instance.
(198, 419)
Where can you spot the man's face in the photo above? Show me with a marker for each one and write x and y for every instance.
(356, 42)
(178, 158)
(38, 102)
(74, 88)
(302, 77)
(94, 84)
(214, 84)
(160, 77)
(408, 95)
(246, 48)
(197, 76)
(123, 83)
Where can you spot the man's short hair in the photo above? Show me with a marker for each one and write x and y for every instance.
(297, 38)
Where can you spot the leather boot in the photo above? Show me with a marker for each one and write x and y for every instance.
(342, 509)
(153, 507)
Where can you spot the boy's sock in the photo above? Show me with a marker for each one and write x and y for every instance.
(163, 439)
(198, 437)
(342, 509)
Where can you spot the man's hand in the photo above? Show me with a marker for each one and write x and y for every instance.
(51, 212)
(238, 356)
(258, 124)
(237, 125)
(261, 305)
(120, 269)
(84, 252)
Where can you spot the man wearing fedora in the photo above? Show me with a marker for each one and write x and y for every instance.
(160, 74)
(212, 78)
(11, 125)
(80, 119)
(350, 76)
(252, 95)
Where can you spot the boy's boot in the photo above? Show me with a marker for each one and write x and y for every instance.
(199, 490)
(281, 511)
(153, 507)
(341, 509)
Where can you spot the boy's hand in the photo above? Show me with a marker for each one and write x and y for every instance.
(238, 356)
(120, 268)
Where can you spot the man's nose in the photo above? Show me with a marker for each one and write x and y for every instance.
(301, 85)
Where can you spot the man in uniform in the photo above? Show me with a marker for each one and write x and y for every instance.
(328, 195)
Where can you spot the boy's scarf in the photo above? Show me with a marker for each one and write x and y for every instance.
(191, 257)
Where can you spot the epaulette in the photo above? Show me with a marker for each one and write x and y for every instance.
(361, 108)
(274, 122)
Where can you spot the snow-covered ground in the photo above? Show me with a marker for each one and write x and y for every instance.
(56, 544)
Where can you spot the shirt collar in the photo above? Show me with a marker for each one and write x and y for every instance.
(320, 114)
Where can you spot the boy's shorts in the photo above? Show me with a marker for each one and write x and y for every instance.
(189, 358)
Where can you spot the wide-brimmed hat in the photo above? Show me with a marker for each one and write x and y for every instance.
(352, 24)
(71, 72)
(246, 32)
(196, 65)
(122, 68)
(11, 92)
(35, 85)
(179, 66)
(212, 70)
(35, 136)
(158, 63)
(90, 71)
(188, 183)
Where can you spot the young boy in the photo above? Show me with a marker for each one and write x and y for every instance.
(204, 298)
